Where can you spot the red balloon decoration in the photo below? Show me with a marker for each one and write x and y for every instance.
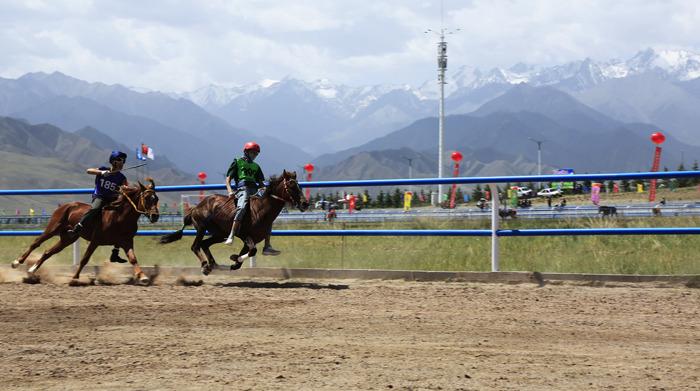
(456, 156)
(309, 168)
(658, 138)
(202, 175)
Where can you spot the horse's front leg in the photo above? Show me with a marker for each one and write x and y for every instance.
(86, 257)
(139, 275)
(247, 251)
(252, 250)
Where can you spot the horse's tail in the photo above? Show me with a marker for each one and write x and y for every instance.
(177, 235)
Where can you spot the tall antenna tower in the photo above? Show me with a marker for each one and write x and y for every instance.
(442, 68)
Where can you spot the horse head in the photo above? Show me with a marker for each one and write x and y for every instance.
(148, 201)
(287, 188)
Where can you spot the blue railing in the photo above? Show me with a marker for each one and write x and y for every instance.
(494, 232)
(396, 182)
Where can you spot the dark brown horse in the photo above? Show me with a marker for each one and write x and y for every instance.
(214, 216)
(117, 227)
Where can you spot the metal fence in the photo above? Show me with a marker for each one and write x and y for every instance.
(495, 233)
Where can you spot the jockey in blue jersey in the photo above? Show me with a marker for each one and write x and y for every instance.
(107, 183)
(247, 178)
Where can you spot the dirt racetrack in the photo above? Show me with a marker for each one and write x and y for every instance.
(247, 334)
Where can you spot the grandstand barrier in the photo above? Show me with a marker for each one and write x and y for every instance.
(492, 182)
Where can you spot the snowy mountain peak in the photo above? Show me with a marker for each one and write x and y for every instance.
(677, 63)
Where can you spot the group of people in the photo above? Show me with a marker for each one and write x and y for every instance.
(244, 178)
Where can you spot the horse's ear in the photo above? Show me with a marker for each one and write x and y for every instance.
(152, 185)
(284, 173)
(141, 186)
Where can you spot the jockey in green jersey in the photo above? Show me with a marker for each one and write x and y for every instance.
(247, 178)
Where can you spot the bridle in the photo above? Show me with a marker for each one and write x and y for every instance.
(142, 201)
(286, 191)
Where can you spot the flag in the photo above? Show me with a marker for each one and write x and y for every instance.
(144, 149)
(139, 155)
(149, 154)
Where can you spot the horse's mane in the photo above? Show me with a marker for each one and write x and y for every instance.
(121, 199)
(130, 190)
(274, 181)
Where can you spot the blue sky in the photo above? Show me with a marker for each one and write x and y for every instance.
(182, 45)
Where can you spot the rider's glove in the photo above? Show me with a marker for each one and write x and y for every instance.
(104, 172)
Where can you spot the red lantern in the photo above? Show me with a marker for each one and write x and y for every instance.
(202, 175)
(658, 138)
(456, 156)
(309, 168)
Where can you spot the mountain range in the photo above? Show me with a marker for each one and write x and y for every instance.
(195, 139)
(593, 116)
(44, 156)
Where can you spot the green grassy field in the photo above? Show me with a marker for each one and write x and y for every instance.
(673, 254)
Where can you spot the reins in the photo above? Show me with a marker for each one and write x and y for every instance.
(143, 212)
(286, 190)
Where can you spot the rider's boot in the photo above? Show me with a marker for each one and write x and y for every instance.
(268, 250)
(75, 231)
(115, 258)
(234, 232)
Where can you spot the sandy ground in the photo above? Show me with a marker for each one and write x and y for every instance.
(229, 333)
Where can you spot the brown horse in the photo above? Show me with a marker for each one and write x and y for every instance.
(118, 225)
(214, 215)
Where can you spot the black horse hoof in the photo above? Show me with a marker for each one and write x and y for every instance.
(236, 265)
(206, 270)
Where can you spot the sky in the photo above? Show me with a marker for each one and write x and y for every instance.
(179, 46)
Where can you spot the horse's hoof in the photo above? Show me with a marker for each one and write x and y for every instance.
(15, 264)
(206, 270)
(141, 279)
(236, 265)
(33, 268)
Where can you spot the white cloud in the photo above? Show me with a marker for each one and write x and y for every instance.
(181, 45)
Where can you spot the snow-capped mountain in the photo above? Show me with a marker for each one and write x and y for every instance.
(677, 65)
(337, 116)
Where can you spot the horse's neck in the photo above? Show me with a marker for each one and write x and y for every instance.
(268, 209)
(126, 211)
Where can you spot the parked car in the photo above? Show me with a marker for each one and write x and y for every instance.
(549, 192)
(524, 192)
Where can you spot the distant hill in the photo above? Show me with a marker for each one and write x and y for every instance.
(650, 98)
(496, 135)
(190, 136)
(45, 156)
(393, 163)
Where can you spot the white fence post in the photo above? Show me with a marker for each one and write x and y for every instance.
(76, 253)
(494, 227)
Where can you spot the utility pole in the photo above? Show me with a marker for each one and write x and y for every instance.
(539, 157)
(442, 67)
